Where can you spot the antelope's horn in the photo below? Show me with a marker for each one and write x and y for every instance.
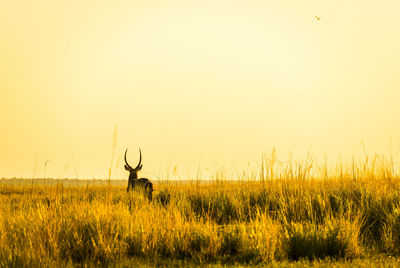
(140, 159)
(126, 162)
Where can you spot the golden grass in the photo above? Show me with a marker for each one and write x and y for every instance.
(287, 215)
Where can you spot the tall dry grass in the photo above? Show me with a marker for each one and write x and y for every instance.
(286, 212)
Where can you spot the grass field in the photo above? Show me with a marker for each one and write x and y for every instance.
(349, 216)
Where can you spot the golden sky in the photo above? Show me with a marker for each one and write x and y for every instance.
(193, 82)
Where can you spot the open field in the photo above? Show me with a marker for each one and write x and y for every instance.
(347, 218)
(186, 99)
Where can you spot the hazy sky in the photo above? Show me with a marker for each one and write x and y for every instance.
(210, 82)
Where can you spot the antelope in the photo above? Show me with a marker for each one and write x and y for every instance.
(133, 180)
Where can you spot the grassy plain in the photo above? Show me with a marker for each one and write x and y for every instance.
(298, 215)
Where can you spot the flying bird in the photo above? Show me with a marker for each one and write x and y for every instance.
(318, 18)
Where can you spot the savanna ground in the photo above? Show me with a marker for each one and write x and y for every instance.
(296, 215)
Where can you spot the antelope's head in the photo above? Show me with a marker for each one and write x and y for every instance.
(134, 171)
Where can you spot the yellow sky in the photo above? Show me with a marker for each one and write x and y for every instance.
(211, 82)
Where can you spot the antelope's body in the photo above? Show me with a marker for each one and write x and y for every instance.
(134, 182)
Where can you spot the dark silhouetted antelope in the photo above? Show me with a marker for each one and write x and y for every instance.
(134, 182)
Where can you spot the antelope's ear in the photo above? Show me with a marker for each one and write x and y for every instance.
(126, 167)
(140, 167)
